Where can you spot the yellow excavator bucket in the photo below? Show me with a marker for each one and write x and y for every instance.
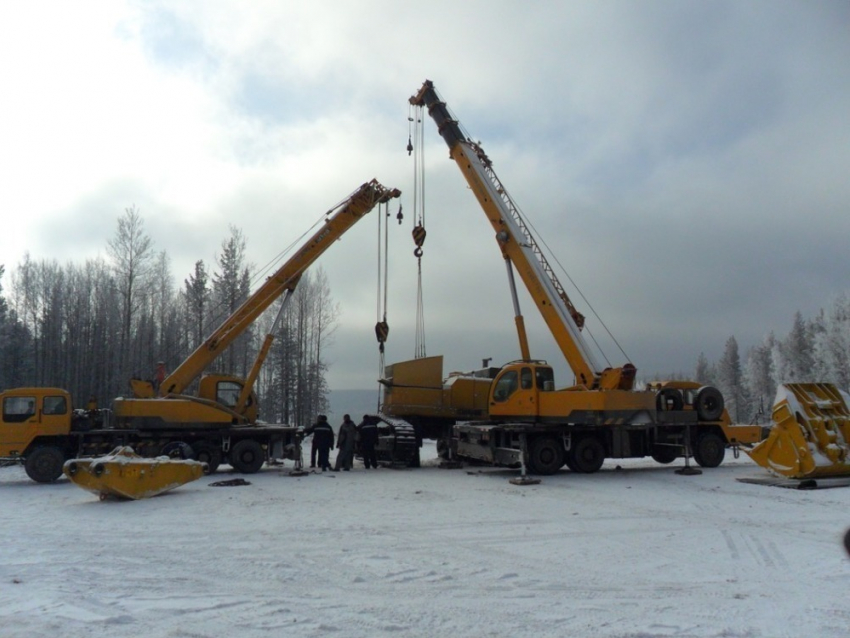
(810, 437)
(124, 474)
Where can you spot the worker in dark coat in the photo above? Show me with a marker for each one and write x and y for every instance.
(368, 430)
(323, 440)
(345, 444)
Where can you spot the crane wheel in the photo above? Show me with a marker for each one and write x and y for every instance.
(209, 454)
(587, 454)
(709, 404)
(710, 449)
(545, 455)
(177, 450)
(665, 454)
(247, 456)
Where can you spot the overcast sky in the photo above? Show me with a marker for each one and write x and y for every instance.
(687, 162)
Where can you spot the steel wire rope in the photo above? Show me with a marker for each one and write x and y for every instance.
(219, 312)
(468, 137)
(419, 222)
(581, 294)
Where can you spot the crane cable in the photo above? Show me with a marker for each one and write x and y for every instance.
(417, 125)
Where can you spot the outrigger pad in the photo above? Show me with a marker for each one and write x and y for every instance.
(524, 480)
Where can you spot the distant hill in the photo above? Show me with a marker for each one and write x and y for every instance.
(353, 402)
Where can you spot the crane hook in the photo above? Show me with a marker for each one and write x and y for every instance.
(409, 145)
(382, 331)
(418, 239)
(400, 215)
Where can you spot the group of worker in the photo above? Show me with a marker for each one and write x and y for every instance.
(323, 442)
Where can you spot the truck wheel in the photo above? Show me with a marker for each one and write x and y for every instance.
(44, 464)
(665, 454)
(247, 456)
(177, 450)
(587, 454)
(709, 450)
(545, 455)
(209, 454)
(709, 404)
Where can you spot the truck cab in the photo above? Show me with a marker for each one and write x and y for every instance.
(34, 428)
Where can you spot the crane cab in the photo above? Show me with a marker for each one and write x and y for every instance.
(516, 390)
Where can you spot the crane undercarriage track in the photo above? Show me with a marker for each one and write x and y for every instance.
(398, 445)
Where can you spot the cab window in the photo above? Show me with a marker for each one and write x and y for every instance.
(545, 379)
(55, 405)
(228, 392)
(18, 409)
(506, 386)
(525, 379)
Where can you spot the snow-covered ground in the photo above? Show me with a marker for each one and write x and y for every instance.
(636, 552)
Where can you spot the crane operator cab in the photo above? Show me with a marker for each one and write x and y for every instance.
(515, 391)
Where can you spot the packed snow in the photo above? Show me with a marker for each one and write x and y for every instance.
(635, 550)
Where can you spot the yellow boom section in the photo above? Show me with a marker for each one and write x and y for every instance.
(810, 437)
(339, 220)
(124, 474)
(521, 250)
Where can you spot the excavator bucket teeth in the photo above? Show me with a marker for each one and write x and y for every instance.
(810, 437)
(124, 474)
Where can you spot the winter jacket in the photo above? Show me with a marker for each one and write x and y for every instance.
(368, 434)
(323, 434)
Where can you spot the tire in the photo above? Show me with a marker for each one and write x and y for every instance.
(44, 464)
(447, 449)
(709, 449)
(247, 456)
(587, 454)
(709, 404)
(545, 455)
(665, 454)
(209, 454)
(669, 399)
(177, 450)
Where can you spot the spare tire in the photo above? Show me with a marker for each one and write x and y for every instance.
(709, 404)
(669, 399)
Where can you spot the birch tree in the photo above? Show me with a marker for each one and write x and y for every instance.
(131, 251)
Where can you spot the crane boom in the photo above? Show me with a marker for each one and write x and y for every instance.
(520, 249)
(339, 220)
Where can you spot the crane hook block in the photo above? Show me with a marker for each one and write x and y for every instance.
(400, 215)
(382, 331)
(418, 239)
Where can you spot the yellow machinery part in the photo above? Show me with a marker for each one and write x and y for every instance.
(810, 437)
(124, 474)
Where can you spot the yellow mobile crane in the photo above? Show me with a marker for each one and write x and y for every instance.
(224, 399)
(219, 423)
(598, 417)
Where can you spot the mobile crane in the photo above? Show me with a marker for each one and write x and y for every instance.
(517, 407)
(40, 428)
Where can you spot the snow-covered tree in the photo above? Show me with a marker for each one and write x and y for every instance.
(758, 375)
(730, 380)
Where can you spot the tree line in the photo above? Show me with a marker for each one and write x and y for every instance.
(814, 350)
(91, 327)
